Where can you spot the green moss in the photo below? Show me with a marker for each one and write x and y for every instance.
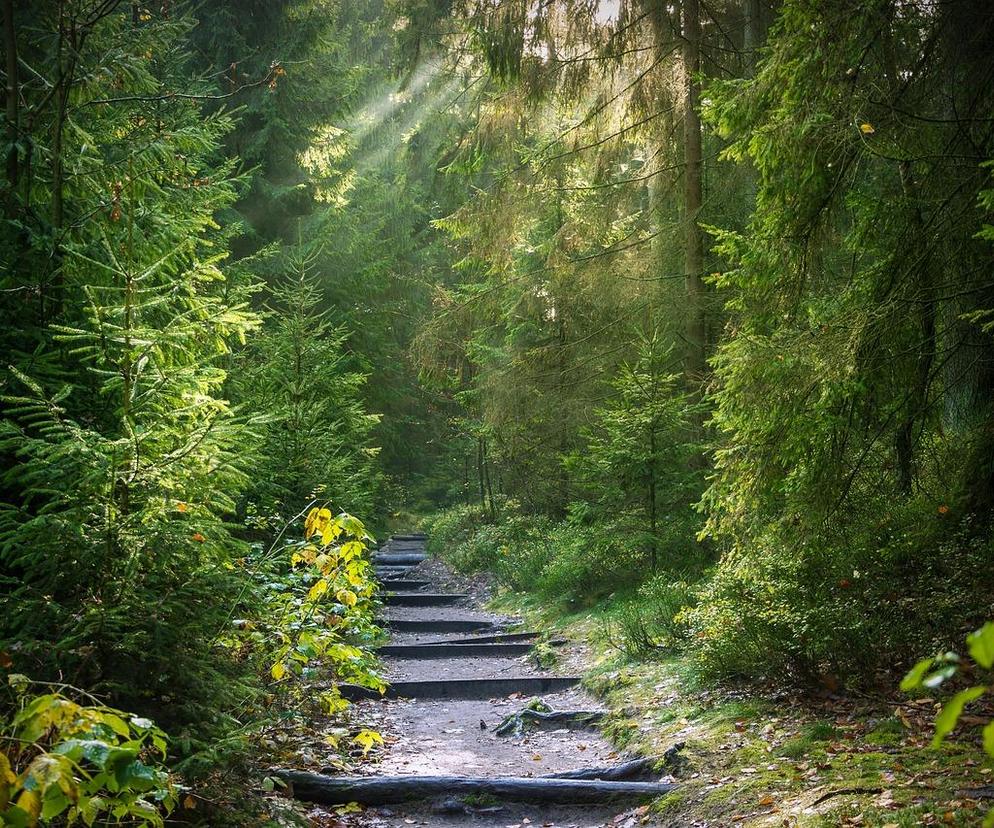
(887, 732)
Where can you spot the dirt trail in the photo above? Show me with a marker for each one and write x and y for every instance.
(456, 737)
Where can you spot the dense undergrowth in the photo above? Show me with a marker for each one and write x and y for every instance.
(301, 618)
(818, 617)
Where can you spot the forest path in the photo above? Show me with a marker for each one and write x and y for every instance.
(442, 711)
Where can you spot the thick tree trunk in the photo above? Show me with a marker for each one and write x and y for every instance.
(695, 329)
(11, 101)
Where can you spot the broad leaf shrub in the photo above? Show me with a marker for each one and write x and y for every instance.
(63, 761)
(566, 562)
(931, 673)
(323, 612)
(788, 607)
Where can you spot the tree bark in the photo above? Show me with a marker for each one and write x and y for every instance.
(335, 790)
(695, 331)
(12, 103)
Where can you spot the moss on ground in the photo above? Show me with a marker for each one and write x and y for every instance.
(772, 756)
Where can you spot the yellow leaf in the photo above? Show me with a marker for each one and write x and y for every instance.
(189, 803)
(316, 591)
(30, 803)
(366, 739)
(334, 703)
(325, 563)
(319, 522)
(867, 129)
(346, 597)
(6, 772)
(278, 670)
(352, 549)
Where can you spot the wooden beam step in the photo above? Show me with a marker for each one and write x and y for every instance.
(495, 638)
(441, 625)
(399, 558)
(454, 650)
(404, 584)
(423, 599)
(482, 688)
(386, 790)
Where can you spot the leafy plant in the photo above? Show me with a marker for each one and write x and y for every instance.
(931, 673)
(65, 761)
(323, 611)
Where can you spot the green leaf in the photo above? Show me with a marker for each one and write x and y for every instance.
(115, 723)
(935, 679)
(989, 738)
(913, 680)
(950, 713)
(981, 645)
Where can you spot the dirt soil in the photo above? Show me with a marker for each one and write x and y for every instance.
(456, 737)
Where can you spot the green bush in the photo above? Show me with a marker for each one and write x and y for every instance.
(841, 607)
(563, 562)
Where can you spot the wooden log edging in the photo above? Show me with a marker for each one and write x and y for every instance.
(454, 650)
(423, 599)
(398, 558)
(387, 790)
(442, 625)
(482, 688)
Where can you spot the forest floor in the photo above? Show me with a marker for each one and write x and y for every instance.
(749, 755)
(767, 755)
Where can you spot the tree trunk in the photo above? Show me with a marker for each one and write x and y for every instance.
(753, 32)
(695, 329)
(11, 91)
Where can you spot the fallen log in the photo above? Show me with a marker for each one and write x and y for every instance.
(387, 790)
(612, 773)
(456, 650)
(483, 688)
(423, 599)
